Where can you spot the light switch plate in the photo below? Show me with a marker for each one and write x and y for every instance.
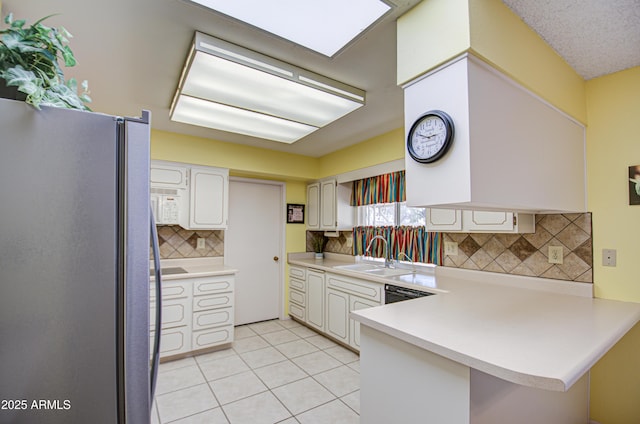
(200, 243)
(609, 257)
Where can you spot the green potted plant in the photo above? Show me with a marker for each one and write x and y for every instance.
(30, 69)
(319, 241)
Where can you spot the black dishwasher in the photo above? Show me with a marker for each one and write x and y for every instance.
(394, 294)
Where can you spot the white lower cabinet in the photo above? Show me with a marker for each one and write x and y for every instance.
(346, 294)
(197, 313)
(324, 300)
(298, 292)
(356, 303)
(338, 315)
(315, 299)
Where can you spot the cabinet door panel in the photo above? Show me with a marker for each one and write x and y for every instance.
(201, 303)
(175, 313)
(299, 285)
(315, 299)
(488, 221)
(167, 176)
(213, 318)
(174, 341)
(313, 206)
(212, 285)
(338, 315)
(443, 219)
(297, 297)
(356, 303)
(328, 220)
(212, 337)
(297, 311)
(207, 191)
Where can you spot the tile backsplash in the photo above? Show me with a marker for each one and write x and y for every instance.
(518, 254)
(176, 242)
(527, 254)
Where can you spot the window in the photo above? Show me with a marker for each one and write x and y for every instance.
(390, 214)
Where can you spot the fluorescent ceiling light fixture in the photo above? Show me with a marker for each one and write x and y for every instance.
(230, 88)
(325, 26)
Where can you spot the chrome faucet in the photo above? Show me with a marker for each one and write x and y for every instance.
(413, 265)
(387, 259)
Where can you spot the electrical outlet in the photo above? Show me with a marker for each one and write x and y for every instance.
(609, 257)
(555, 255)
(349, 242)
(200, 243)
(450, 248)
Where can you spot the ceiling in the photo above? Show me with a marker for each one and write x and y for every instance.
(132, 54)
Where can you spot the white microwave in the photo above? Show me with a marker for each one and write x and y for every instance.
(166, 205)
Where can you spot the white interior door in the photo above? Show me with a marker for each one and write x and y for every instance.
(254, 246)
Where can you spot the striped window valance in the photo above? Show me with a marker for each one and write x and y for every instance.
(386, 188)
(415, 242)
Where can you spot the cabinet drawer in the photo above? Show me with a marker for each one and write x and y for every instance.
(299, 285)
(297, 297)
(202, 303)
(175, 313)
(213, 318)
(211, 285)
(173, 341)
(295, 272)
(171, 290)
(362, 288)
(297, 311)
(212, 337)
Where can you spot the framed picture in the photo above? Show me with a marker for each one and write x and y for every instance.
(295, 213)
(634, 185)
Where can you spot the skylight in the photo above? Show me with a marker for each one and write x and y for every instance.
(325, 26)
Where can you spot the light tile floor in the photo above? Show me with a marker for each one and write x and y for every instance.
(275, 372)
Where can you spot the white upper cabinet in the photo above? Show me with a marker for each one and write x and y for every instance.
(511, 150)
(313, 206)
(208, 198)
(195, 197)
(456, 220)
(329, 206)
(168, 176)
(328, 219)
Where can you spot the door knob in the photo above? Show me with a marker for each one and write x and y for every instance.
(276, 259)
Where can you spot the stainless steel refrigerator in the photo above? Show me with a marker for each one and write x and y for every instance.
(74, 266)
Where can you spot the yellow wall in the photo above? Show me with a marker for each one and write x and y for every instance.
(242, 160)
(613, 144)
(431, 33)
(494, 34)
(383, 148)
(501, 38)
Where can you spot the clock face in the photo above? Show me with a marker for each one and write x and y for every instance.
(430, 137)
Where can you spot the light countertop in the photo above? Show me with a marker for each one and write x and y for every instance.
(546, 337)
(195, 267)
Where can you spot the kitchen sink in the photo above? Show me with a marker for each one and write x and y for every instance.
(386, 272)
(358, 267)
(372, 269)
(417, 279)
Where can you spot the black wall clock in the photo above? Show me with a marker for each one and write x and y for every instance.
(430, 136)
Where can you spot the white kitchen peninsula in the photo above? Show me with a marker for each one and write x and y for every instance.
(484, 353)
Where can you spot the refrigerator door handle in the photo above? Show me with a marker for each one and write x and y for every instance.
(158, 318)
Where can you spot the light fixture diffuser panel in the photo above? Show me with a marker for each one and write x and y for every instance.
(190, 110)
(222, 81)
(324, 26)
